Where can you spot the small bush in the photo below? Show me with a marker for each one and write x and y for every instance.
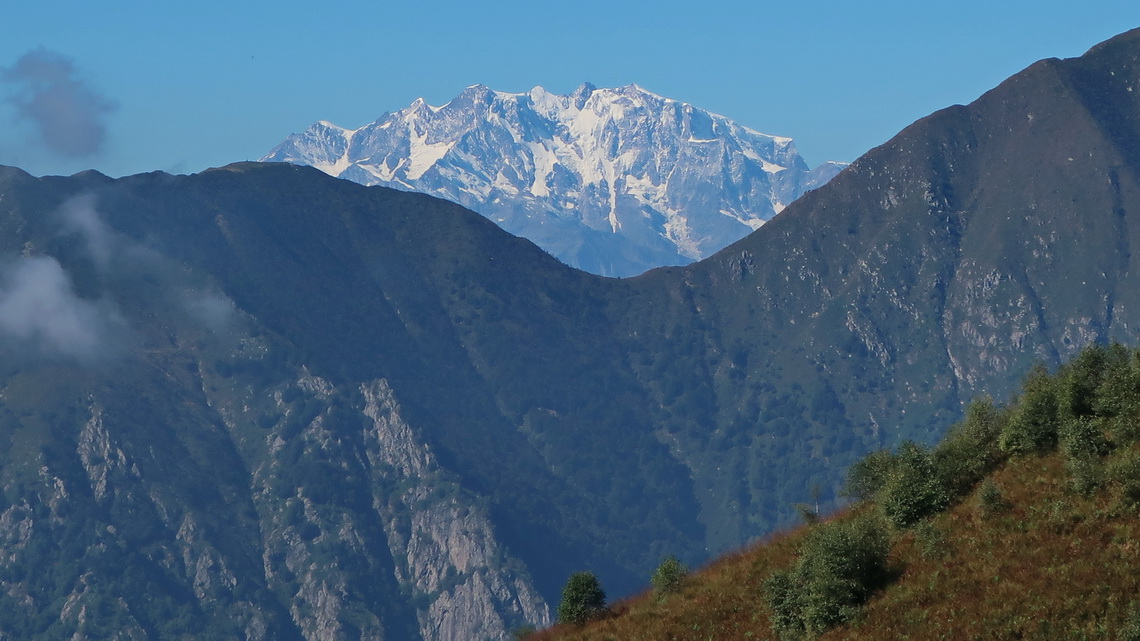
(1131, 629)
(1123, 471)
(668, 576)
(931, 540)
(970, 448)
(1085, 474)
(785, 600)
(912, 491)
(990, 499)
(839, 565)
(582, 599)
(1032, 428)
(867, 476)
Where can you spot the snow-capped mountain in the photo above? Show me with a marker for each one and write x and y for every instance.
(613, 181)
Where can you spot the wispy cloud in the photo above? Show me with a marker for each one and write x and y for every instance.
(39, 310)
(68, 114)
(79, 217)
(212, 310)
(113, 253)
(42, 316)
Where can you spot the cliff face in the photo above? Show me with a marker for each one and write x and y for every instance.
(191, 475)
(442, 538)
(299, 547)
(348, 495)
(942, 264)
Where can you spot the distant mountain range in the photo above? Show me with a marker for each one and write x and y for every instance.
(613, 181)
(262, 403)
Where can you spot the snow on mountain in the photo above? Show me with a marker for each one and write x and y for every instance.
(613, 181)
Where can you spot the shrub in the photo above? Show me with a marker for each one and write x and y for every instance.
(868, 475)
(1124, 471)
(785, 600)
(970, 448)
(838, 567)
(1032, 428)
(1083, 437)
(582, 599)
(668, 576)
(783, 595)
(1118, 397)
(990, 499)
(931, 540)
(1131, 629)
(1085, 474)
(912, 491)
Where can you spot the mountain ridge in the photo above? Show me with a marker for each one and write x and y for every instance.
(614, 181)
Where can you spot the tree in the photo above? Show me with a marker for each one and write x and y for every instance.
(582, 599)
(667, 578)
(969, 450)
(1078, 380)
(1032, 429)
(869, 474)
(1118, 398)
(913, 491)
(838, 567)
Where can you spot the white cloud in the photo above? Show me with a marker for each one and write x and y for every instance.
(39, 310)
(79, 217)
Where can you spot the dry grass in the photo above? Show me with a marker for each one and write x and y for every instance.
(721, 601)
(1054, 565)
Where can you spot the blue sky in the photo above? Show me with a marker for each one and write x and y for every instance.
(184, 86)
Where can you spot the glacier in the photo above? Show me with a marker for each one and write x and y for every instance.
(612, 181)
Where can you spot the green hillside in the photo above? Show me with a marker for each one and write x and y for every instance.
(1023, 525)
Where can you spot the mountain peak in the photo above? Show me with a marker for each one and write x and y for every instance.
(328, 125)
(582, 93)
(614, 181)
(634, 88)
(421, 105)
(477, 90)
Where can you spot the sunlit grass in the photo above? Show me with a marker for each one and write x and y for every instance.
(1051, 564)
(1044, 546)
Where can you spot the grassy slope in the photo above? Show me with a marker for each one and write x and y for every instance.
(1053, 565)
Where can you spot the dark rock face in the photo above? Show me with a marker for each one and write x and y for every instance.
(978, 241)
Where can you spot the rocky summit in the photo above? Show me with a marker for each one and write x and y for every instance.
(613, 181)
